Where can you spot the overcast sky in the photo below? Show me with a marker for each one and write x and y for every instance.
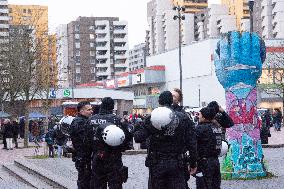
(64, 11)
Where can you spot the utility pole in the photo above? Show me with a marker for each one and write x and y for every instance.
(251, 3)
(180, 17)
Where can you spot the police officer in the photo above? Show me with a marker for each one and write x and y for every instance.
(169, 136)
(177, 98)
(110, 138)
(82, 153)
(209, 145)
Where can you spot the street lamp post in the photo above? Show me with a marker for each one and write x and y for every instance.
(251, 3)
(180, 17)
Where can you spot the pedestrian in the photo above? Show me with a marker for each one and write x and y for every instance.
(177, 99)
(265, 127)
(50, 142)
(9, 133)
(35, 135)
(3, 134)
(82, 152)
(169, 137)
(60, 140)
(221, 118)
(15, 132)
(277, 119)
(209, 145)
(112, 137)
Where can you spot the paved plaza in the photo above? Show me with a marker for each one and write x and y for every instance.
(138, 173)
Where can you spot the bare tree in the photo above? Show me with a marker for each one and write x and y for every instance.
(272, 81)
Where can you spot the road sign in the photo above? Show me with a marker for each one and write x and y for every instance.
(52, 93)
(66, 93)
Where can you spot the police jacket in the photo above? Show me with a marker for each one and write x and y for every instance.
(209, 142)
(78, 132)
(182, 139)
(98, 123)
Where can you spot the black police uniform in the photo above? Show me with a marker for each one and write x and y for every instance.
(209, 144)
(107, 166)
(179, 108)
(165, 157)
(82, 151)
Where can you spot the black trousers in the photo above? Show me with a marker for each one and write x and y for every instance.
(16, 141)
(208, 174)
(84, 174)
(4, 142)
(107, 173)
(167, 174)
(50, 150)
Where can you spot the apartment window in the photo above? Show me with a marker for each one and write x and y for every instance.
(92, 61)
(101, 52)
(101, 61)
(29, 11)
(77, 36)
(101, 35)
(101, 44)
(10, 10)
(77, 52)
(78, 70)
(78, 78)
(92, 44)
(24, 10)
(93, 70)
(92, 53)
(91, 27)
(77, 28)
(92, 36)
(119, 27)
(77, 45)
(100, 27)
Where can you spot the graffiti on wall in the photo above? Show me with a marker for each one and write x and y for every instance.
(238, 63)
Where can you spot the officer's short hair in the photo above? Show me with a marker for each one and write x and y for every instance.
(82, 104)
(107, 103)
(166, 98)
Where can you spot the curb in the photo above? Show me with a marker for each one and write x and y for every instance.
(134, 152)
(272, 145)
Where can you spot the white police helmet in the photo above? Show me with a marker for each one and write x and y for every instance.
(64, 124)
(66, 119)
(113, 135)
(161, 117)
(224, 149)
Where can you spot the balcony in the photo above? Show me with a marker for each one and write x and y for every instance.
(102, 48)
(117, 40)
(6, 11)
(4, 25)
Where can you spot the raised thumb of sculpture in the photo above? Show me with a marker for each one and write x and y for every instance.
(238, 64)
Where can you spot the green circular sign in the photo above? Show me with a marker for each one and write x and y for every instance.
(66, 93)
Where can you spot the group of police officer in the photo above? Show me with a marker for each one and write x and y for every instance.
(173, 155)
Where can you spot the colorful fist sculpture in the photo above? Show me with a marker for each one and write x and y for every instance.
(238, 63)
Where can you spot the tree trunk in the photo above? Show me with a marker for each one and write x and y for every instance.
(26, 136)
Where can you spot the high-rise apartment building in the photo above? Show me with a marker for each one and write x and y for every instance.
(239, 8)
(32, 15)
(97, 48)
(4, 39)
(163, 29)
(269, 18)
(137, 57)
(4, 22)
(62, 56)
(192, 6)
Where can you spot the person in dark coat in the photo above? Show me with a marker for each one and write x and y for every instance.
(107, 167)
(50, 142)
(277, 119)
(16, 132)
(177, 99)
(209, 144)
(9, 133)
(82, 154)
(165, 156)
